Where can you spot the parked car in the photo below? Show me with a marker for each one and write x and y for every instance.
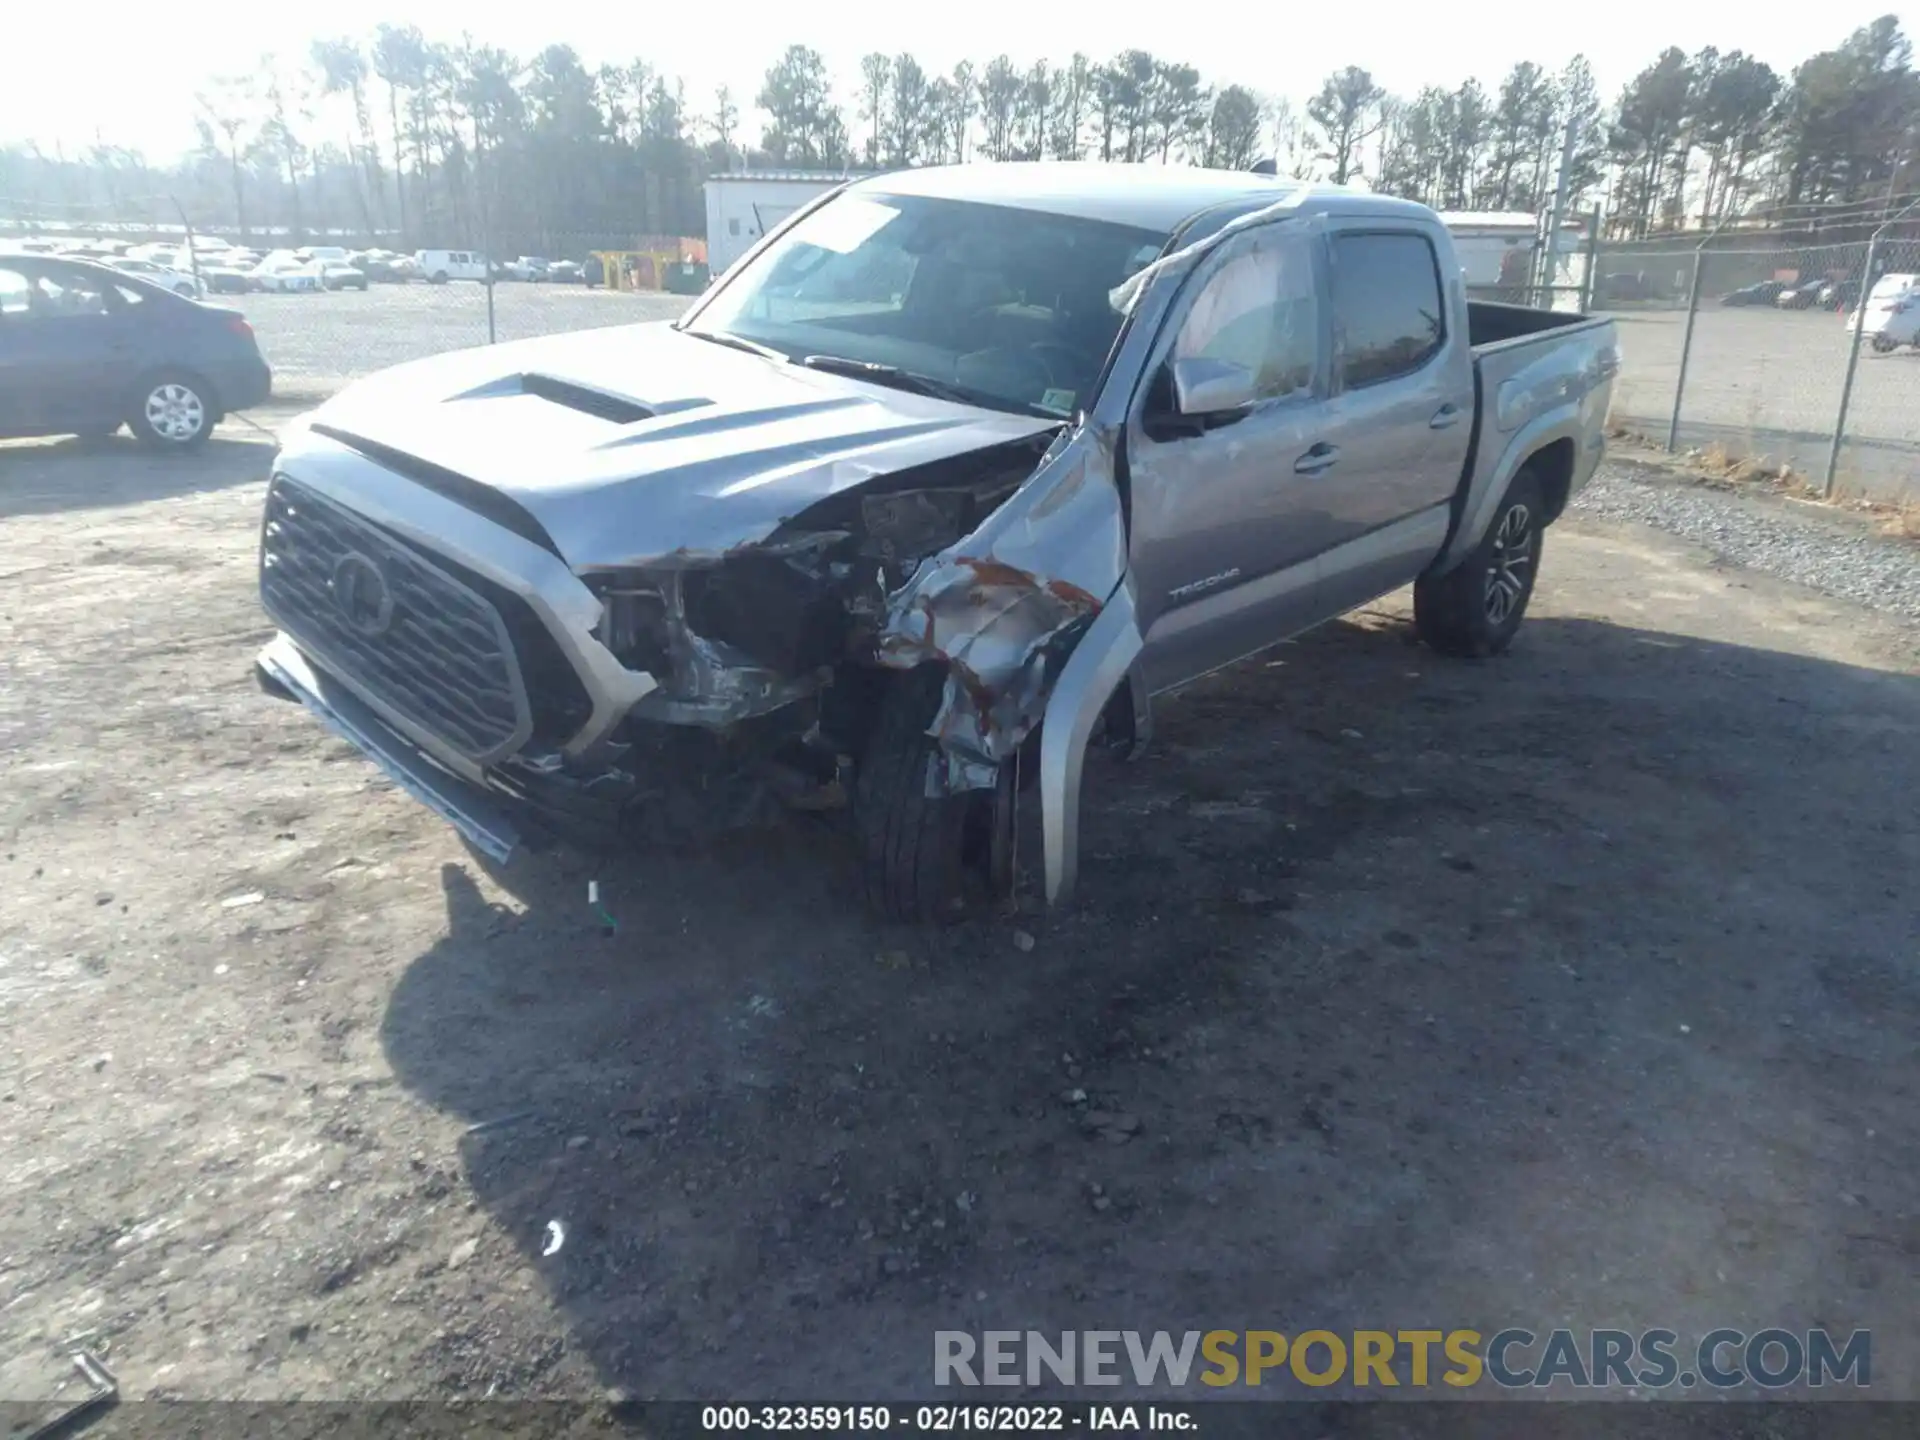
(234, 278)
(161, 275)
(1801, 294)
(997, 530)
(1892, 316)
(440, 266)
(566, 272)
(284, 273)
(86, 348)
(1838, 295)
(1761, 292)
(530, 268)
(382, 266)
(338, 275)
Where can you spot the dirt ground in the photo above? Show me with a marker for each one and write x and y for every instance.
(1576, 988)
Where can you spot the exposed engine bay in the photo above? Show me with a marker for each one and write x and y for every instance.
(776, 649)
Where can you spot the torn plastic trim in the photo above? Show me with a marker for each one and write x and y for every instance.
(1002, 608)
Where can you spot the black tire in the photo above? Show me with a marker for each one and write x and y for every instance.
(911, 843)
(1881, 345)
(439, 277)
(1474, 610)
(173, 410)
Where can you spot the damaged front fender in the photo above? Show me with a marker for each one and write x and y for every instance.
(1002, 608)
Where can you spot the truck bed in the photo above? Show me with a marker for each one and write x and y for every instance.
(1529, 366)
(1490, 323)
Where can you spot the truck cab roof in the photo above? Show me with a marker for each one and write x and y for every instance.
(1152, 197)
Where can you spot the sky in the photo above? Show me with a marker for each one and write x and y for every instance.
(141, 93)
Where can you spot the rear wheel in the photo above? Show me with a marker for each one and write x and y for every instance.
(912, 844)
(1882, 345)
(1474, 610)
(173, 411)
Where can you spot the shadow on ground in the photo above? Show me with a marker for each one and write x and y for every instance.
(47, 477)
(1573, 988)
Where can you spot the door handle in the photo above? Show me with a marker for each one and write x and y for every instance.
(1443, 417)
(1320, 457)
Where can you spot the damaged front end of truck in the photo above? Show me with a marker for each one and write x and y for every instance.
(772, 659)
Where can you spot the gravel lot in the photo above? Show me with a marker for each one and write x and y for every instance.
(1574, 988)
(317, 343)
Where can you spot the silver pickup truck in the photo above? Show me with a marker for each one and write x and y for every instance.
(936, 488)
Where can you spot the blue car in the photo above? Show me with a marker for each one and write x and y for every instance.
(85, 349)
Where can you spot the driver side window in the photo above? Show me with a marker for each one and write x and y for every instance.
(1257, 308)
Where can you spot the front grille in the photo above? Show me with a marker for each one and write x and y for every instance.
(381, 615)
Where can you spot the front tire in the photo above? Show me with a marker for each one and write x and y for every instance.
(1474, 610)
(1882, 345)
(173, 411)
(911, 843)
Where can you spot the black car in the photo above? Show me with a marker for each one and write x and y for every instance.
(1765, 292)
(85, 349)
(1801, 295)
(1839, 295)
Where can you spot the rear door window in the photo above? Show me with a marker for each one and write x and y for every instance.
(1389, 315)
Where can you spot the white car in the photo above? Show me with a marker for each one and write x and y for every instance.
(282, 273)
(177, 281)
(1893, 313)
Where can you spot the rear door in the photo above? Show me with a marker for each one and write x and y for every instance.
(1400, 421)
(1224, 532)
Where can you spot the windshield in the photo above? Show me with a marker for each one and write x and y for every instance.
(1008, 306)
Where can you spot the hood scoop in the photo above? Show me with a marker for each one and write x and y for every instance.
(571, 393)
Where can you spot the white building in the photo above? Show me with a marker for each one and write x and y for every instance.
(743, 206)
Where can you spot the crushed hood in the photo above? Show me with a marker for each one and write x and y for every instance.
(638, 443)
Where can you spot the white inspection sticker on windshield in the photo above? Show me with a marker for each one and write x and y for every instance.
(845, 224)
(1058, 402)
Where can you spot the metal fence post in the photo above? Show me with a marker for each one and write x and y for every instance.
(1686, 347)
(1853, 352)
(1853, 363)
(1593, 260)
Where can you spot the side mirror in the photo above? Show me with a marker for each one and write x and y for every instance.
(1204, 387)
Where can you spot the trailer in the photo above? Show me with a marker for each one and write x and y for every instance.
(744, 205)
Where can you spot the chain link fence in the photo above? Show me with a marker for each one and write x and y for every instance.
(1744, 351)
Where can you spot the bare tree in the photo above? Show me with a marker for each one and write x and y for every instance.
(229, 124)
(1347, 110)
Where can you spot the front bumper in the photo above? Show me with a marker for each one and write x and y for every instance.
(479, 815)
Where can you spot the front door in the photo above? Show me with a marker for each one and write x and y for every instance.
(1225, 530)
(69, 347)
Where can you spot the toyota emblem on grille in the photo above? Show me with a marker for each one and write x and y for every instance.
(362, 593)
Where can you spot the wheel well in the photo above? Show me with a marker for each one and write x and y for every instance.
(1552, 465)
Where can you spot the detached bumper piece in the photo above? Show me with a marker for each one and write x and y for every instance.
(476, 813)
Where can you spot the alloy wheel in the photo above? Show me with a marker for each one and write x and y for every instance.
(1511, 565)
